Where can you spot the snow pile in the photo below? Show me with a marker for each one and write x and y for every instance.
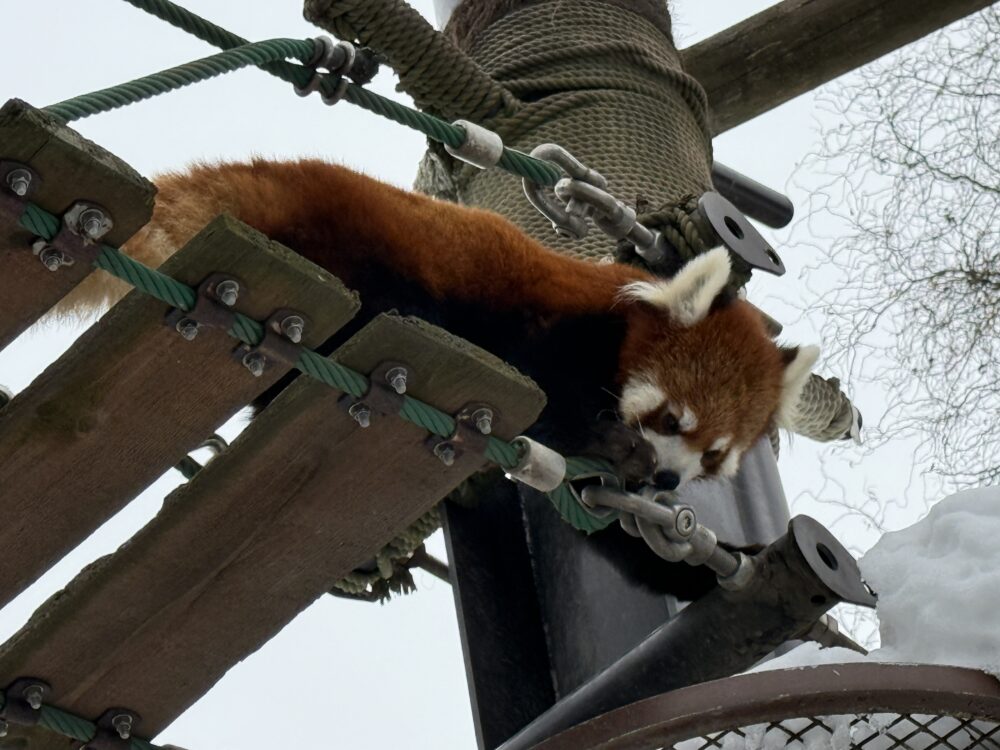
(938, 584)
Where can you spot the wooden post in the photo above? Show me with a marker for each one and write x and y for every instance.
(796, 45)
(301, 498)
(69, 168)
(132, 397)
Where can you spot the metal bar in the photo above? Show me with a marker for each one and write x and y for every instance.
(798, 578)
(757, 201)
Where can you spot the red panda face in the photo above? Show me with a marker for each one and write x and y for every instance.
(701, 381)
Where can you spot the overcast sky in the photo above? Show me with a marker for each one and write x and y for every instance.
(357, 675)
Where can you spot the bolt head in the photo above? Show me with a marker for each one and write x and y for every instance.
(483, 419)
(228, 292)
(292, 327)
(685, 521)
(362, 414)
(51, 258)
(187, 328)
(92, 222)
(445, 452)
(123, 725)
(255, 363)
(4, 728)
(397, 379)
(33, 696)
(19, 180)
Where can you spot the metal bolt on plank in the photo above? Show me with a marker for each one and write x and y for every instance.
(292, 327)
(483, 419)
(446, 452)
(396, 377)
(19, 181)
(228, 292)
(255, 362)
(361, 413)
(187, 328)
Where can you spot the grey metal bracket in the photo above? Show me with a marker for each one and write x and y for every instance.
(208, 310)
(738, 234)
(381, 398)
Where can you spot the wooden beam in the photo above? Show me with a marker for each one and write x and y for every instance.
(797, 45)
(131, 397)
(301, 498)
(71, 168)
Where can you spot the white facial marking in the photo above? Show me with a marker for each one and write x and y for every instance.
(640, 396)
(687, 421)
(688, 296)
(674, 454)
(721, 443)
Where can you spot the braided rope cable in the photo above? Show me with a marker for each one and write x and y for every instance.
(268, 55)
(177, 294)
(171, 79)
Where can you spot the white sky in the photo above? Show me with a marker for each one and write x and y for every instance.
(357, 675)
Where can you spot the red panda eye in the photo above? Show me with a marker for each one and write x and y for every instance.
(711, 456)
(670, 424)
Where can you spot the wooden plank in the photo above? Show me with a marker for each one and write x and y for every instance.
(301, 498)
(797, 45)
(71, 168)
(131, 397)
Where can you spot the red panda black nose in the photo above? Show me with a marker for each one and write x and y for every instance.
(666, 480)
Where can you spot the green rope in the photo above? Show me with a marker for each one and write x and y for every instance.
(268, 55)
(123, 94)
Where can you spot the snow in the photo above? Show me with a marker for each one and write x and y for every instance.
(938, 585)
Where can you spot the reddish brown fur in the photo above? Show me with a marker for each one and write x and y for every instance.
(724, 367)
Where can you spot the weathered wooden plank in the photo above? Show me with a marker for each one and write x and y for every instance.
(71, 168)
(301, 498)
(131, 397)
(797, 45)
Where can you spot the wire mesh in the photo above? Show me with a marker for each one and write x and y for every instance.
(878, 731)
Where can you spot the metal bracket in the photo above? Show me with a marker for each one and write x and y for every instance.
(114, 731)
(208, 310)
(381, 397)
(738, 234)
(23, 699)
(468, 437)
(276, 346)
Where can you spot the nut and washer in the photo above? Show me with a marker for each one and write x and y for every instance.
(88, 221)
(483, 420)
(396, 377)
(187, 328)
(33, 695)
(685, 522)
(446, 452)
(292, 327)
(361, 413)
(52, 258)
(19, 181)
(255, 362)
(123, 725)
(228, 291)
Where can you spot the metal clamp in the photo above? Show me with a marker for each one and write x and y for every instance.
(385, 394)
(23, 700)
(469, 437)
(114, 730)
(216, 294)
(540, 467)
(338, 60)
(481, 148)
(282, 332)
(614, 218)
(569, 220)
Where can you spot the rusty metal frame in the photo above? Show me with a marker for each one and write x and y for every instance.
(765, 697)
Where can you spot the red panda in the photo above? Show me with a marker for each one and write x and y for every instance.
(695, 372)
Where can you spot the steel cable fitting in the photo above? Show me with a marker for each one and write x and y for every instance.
(672, 531)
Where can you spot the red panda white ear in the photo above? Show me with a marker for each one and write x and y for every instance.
(798, 367)
(688, 296)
